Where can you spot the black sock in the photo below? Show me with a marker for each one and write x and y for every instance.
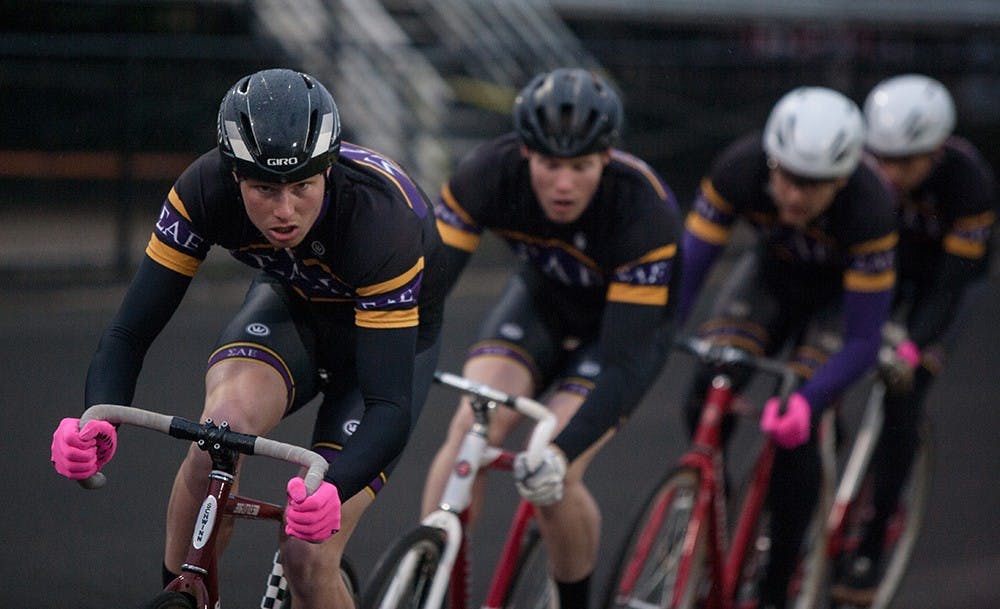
(573, 595)
(168, 575)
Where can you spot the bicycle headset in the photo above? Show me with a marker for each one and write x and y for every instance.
(816, 133)
(568, 112)
(278, 125)
(908, 114)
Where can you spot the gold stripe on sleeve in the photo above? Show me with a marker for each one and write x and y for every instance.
(457, 238)
(863, 282)
(638, 294)
(707, 230)
(171, 258)
(964, 248)
(405, 318)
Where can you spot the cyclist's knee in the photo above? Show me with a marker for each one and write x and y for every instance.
(307, 564)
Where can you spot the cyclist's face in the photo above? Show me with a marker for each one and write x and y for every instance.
(800, 200)
(905, 173)
(284, 213)
(564, 187)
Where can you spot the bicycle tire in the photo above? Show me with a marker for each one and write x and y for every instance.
(905, 523)
(170, 599)
(402, 577)
(532, 586)
(653, 551)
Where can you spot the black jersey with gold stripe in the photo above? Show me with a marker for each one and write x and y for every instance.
(368, 249)
(945, 228)
(850, 245)
(373, 259)
(610, 270)
(621, 249)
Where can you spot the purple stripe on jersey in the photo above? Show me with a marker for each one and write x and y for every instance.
(174, 230)
(330, 454)
(392, 170)
(655, 272)
(404, 297)
(451, 218)
(710, 212)
(249, 351)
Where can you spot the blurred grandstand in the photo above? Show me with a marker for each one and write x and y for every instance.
(106, 101)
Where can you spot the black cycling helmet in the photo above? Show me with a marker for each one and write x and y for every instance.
(279, 126)
(568, 112)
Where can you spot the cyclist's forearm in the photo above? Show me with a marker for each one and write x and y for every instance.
(151, 299)
(633, 351)
(864, 315)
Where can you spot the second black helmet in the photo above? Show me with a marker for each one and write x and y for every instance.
(568, 112)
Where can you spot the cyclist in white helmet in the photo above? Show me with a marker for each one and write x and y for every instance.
(946, 210)
(820, 276)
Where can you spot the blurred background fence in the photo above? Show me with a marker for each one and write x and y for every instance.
(104, 102)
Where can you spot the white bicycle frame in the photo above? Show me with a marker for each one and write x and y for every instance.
(457, 496)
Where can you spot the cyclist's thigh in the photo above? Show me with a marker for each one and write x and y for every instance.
(747, 312)
(270, 328)
(521, 329)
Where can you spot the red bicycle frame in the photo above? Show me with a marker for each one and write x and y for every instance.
(199, 576)
(726, 556)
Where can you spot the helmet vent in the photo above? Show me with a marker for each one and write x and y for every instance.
(250, 139)
(313, 131)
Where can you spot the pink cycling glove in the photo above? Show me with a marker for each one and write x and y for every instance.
(80, 453)
(314, 517)
(909, 353)
(791, 429)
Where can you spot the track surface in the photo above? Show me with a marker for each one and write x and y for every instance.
(66, 547)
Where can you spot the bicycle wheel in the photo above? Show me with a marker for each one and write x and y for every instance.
(904, 525)
(653, 569)
(532, 586)
(171, 600)
(403, 575)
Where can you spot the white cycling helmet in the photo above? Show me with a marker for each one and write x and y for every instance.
(815, 132)
(908, 114)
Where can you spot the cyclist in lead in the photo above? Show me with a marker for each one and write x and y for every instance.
(348, 302)
(585, 316)
(947, 198)
(820, 276)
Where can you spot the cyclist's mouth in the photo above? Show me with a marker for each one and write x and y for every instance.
(283, 233)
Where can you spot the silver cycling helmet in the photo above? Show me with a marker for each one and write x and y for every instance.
(278, 126)
(816, 133)
(908, 114)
